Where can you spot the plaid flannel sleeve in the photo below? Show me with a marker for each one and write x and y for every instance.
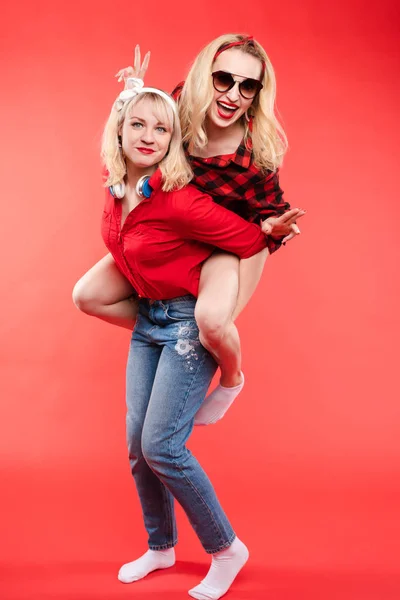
(268, 202)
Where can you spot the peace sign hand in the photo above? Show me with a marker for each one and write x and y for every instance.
(138, 70)
(285, 225)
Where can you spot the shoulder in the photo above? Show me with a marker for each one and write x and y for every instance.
(188, 200)
(188, 195)
(246, 156)
(109, 200)
(263, 175)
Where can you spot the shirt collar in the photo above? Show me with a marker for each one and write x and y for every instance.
(155, 180)
(242, 158)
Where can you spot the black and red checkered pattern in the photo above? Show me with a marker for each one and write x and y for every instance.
(236, 183)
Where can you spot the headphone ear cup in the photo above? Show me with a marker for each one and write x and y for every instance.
(147, 189)
(117, 190)
(143, 188)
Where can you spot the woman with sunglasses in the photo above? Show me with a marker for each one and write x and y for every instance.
(235, 146)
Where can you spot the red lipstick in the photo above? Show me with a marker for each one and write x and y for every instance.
(145, 150)
(224, 114)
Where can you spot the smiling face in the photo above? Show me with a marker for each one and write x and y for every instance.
(146, 133)
(227, 107)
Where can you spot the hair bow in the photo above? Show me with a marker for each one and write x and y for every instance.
(133, 87)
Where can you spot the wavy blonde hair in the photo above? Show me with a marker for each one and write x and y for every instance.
(268, 139)
(176, 172)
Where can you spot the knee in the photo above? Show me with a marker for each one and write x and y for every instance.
(83, 298)
(212, 325)
(151, 453)
(155, 451)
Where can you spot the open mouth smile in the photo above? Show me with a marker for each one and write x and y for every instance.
(226, 110)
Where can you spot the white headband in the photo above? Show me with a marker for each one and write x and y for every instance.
(135, 87)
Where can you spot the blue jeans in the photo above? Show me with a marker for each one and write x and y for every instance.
(168, 374)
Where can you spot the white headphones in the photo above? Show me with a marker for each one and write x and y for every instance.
(143, 188)
(117, 190)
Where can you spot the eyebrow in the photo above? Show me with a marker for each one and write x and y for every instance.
(132, 117)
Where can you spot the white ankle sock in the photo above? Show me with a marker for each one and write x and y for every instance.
(217, 403)
(151, 561)
(225, 566)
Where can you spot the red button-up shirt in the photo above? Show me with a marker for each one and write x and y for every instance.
(166, 238)
(236, 183)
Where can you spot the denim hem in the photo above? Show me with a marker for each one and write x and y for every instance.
(187, 298)
(223, 546)
(164, 546)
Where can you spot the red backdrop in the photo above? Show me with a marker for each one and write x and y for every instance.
(307, 463)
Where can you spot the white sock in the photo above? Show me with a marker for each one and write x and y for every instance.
(151, 561)
(225, 566)
(217, 403)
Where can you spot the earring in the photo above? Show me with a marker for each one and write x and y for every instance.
(119, 141)
(249, 119)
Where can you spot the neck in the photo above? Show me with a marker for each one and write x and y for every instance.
(134, 173)
(222, 140)
(217, 134)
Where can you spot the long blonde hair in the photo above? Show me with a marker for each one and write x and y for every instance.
(176, 172)
(268, 139)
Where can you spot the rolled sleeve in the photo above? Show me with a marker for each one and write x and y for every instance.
(267, 198)
(269, 202)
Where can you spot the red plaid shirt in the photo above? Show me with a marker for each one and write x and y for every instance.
(236, 183)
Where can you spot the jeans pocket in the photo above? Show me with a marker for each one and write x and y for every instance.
(180, 311)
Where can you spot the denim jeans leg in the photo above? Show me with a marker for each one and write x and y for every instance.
(156, 500)
(183, 374)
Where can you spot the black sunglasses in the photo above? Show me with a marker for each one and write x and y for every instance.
(248, 88)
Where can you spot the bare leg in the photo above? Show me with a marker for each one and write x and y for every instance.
(250, 271)
(103, 292)
(217, 307)
(217, 299)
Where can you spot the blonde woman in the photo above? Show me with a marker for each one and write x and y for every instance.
(235, 146)
(159, 231)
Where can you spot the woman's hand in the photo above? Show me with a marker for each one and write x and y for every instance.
(284, 226)
(138, 70)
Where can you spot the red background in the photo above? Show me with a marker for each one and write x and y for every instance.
(307, 463)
